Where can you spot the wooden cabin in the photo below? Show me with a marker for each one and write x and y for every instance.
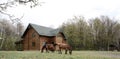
(35, 35)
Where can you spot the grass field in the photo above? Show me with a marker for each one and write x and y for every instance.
(75, 55)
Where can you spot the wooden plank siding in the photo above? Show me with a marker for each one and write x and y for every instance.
(59, 39)
(32, 40)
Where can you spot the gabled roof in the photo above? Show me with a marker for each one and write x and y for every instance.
(44, 31)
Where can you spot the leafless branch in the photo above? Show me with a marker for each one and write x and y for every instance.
(12, 17)
(4, 7)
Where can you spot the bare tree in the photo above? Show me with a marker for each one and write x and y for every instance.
(14, 3)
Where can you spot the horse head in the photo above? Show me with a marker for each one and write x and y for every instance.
(54, 44)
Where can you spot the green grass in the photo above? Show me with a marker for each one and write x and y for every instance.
(75, 55)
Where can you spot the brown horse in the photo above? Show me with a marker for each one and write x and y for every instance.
(49, 47)
(64, 46)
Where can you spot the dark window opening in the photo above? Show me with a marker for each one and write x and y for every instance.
(33, 44)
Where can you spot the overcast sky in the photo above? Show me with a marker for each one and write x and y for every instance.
(54, 12)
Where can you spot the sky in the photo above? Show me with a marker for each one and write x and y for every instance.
(53, 13)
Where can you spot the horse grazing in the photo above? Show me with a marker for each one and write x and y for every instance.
(64, 46)
(49, 47)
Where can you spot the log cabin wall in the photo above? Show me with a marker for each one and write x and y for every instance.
(60, 38)
(31, 40)
(25, 42)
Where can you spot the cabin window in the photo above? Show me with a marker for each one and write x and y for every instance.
(33, 44)
(33, 34)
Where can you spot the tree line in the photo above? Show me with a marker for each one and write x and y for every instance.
(94, 34)
(9, 34)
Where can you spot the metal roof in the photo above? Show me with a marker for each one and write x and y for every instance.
(45, 31)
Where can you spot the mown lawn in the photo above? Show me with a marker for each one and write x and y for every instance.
(75, 55)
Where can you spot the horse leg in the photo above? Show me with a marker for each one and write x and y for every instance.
(47, 49)
(65, 51)
(60, 51)
(42, 49)
(70, 51)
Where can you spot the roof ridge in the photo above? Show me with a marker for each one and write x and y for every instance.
(41, 26)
